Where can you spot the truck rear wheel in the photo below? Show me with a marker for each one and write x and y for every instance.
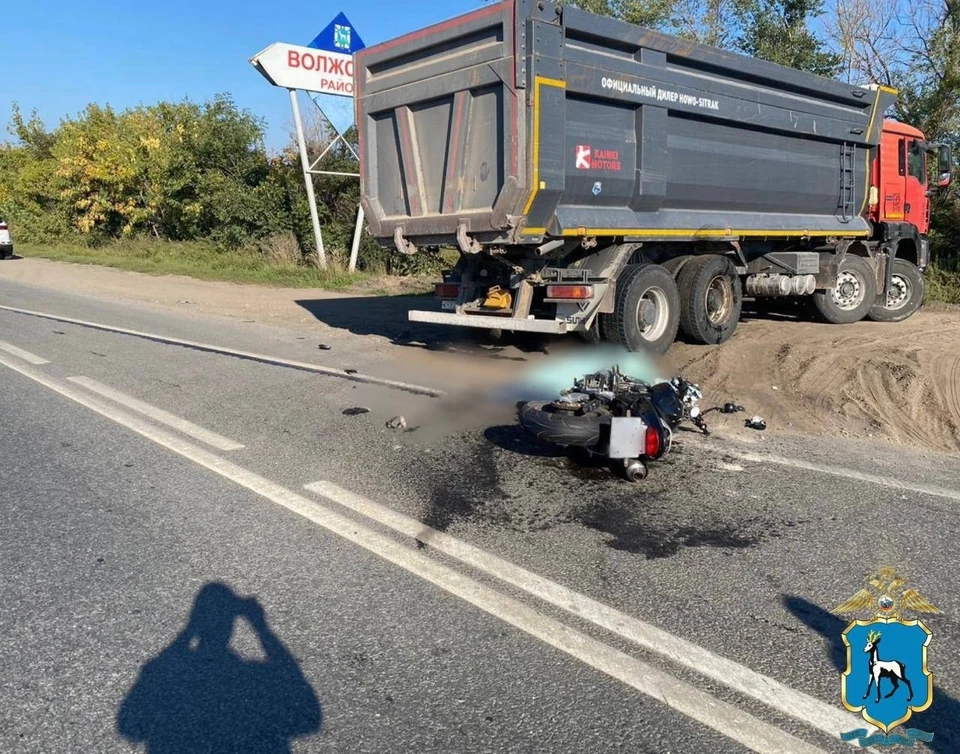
(905, 295)
(646, 311)
(710, 299)
(673, 266)
(854, 294)
(608, 328)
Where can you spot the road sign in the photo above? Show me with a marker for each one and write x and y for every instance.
(307, 68)
(339, 36)
(324, 70)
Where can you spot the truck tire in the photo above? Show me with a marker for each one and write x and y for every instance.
(646, 312)
(673, 266)
(711, 296)
(560, 426)
(608, 328)
(854, 294)
(905, 296)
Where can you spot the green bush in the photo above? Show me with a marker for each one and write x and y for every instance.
(182, 172)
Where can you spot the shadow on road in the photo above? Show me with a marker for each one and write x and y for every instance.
(387, 316)
(515, 439)
(943, 717)
(777, 310)
(199, 695)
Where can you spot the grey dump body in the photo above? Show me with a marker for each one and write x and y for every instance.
(516, 125)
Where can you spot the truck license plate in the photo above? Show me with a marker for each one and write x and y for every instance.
(450, 305)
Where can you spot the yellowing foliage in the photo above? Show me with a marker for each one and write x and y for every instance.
(178, 171)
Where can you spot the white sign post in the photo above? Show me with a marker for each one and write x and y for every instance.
(308, 180)
(322, 72)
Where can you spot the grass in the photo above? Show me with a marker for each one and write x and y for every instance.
(943, 286)
(197, 260)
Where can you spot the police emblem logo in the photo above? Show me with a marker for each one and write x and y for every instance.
(886, 678)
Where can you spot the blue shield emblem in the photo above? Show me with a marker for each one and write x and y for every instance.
(886, 679)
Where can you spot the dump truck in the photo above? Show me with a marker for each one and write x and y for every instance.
(603, 178)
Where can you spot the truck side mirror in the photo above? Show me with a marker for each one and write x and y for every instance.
(944, 167)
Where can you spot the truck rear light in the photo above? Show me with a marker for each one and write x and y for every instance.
(577, 292)
(652, 442)
(3, 225)
(447, 290)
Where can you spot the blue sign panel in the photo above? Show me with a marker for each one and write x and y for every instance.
(339, 36)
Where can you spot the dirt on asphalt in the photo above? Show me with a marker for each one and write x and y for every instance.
(898, 383)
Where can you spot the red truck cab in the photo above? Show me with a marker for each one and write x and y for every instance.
(900, 190)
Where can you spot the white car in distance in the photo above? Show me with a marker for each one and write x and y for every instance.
(6, 242)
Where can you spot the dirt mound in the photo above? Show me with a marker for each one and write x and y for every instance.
(899, 382)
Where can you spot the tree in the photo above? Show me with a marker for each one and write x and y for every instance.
(915, 48)
(32, 134)
(709, 22)
(653, 14)
(779, 31)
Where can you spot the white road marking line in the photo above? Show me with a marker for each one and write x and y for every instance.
(20, 353)
(859, 476)
(784, 699)
(841, 471)
(158, 414)
(302, 365)
(721, 716)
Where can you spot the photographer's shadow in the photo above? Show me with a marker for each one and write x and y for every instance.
(199, 695)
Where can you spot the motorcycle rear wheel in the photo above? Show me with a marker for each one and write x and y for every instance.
(560, 426)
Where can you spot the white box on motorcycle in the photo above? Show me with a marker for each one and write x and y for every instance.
(627, 434)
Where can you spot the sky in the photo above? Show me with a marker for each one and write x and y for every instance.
(59, 55)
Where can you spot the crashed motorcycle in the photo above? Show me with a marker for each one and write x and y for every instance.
(612, 415)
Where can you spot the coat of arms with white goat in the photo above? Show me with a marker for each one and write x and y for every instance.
(886, 679)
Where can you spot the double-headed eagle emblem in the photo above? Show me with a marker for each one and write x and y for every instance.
(886, 596)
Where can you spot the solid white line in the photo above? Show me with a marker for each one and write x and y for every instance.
(696, 704)
(859, 476)
(20, 353)
(784, 699)
(305, 366)
(157, 414)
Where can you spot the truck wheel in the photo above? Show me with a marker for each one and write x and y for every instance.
(646, 312)
(905, 295)
(608, 328)
(673, 266)
(560, 426)
(710, 299)
(854, 294)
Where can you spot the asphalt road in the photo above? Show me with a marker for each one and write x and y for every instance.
(451, 587)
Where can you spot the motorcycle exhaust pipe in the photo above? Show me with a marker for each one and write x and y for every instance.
(635, 470)
(780, 285)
